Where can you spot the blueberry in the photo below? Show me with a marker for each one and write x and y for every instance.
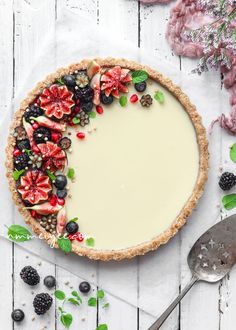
(87, 107)
(69, 80)
(61, 181)
(72, 227)
(106, 99)
(140, 87)
(61, 193)
(49, 281)
(18, 315)
(84, 287)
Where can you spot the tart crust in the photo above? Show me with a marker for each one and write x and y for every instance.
(186, 211)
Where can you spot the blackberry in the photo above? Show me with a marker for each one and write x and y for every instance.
(42, 303)
(86, 107)
(140, 87)
(42, 134)
(83, 117)
(21, 161)
(18, 315)
(227, 181)
(84, 94)
(30, 275)
(23, 144)
(106, 99)
(32, 111)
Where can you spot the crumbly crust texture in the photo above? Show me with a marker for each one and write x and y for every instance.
(186, 211)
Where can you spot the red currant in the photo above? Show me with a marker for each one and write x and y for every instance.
(99, 109)
(80, 135)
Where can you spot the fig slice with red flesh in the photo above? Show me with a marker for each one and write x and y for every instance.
(45, 208)
(29, 131)
(34, 186)
(114, 81)
(95, 84)
(46, 122)
(61, 220)
(56, 101)
(54, 158)
(92, 69)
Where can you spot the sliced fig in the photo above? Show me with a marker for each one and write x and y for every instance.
(95, 84)
(46, 122)
(29, 131)
(45, 208)
(92, 69)
(61, 220)
(54, 158)
(115, 80)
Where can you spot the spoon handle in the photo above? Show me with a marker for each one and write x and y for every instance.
(158, 323)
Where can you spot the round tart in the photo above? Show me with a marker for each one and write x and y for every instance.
(106, 158)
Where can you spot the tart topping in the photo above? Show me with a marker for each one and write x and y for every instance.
(69, 80)
(72, 227)
(84, 94)
(141, 86)
(34, 187)
(21, 162)
(49, 223)
(82, 79)
(80, 135)
(146, 100)
(107, 100)
(99, 109)
(20, 133)
(23, 144)
(35, 160)
(115, 80)
(83, 118)
(53, 157)
(61, 181)
(41, 135)
(134, 98)
(32, 112)
(45, 208)
(64, 143)
(56, 101)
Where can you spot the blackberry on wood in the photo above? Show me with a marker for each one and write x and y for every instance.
(42, 303)
(30, 275)
(227, 181)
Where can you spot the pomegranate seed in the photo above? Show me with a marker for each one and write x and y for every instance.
(80, 135)
(99, 109)
(53, 200)
(33, 213)
(39, 216)
(133, 98)
(76, 110)
(56, 136)
(16, 152)
(80, 237)
(61, 201)
(35, 126)
(35, 149)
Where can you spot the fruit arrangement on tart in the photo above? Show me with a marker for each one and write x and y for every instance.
(109, 155)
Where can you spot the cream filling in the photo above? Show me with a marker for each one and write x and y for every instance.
(135, 170)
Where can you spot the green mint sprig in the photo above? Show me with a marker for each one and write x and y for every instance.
(17, 174)
(17, 233)
(139, 76)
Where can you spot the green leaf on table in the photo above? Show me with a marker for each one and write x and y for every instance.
(64, 244)
(73, 301)
(159, 96)
(66, 320)
(229, 201)
(17, 174)
(106, 305)
(75, 294)
(92, 302)
(76, 120)
(19, 234)
(233, 153)
(123, 100)
(92, 114)
(90, 241)
(71, 173)
(102, 327)
(60, 81)
(100, 294)
(60, 295)
(139, 76)
(51, 175)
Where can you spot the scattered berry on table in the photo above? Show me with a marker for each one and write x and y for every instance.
(227, 181)
(41, 135)
(72, 227)
(20, 133)
(64, 143)
(18, 315)
(140, 87)
(42, 303)
(146, 100)
(80, 135)
(21, 161)
(107, 100)
(83, 118)
(87, 107)
(49, 281)
(85, 94)
(134, 98)
(69, 80)
(23, 144)
(84, 287)
(61, 193)
(49, 223)
(32, 111)
(61, 181)
(30, 275)
(82, 80)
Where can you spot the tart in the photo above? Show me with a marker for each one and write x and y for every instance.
(108, 155)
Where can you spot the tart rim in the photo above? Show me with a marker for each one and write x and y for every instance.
(179, 221)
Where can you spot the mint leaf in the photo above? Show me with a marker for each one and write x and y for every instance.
(106, 305)
(28, 152)
(18, 233)
(60, 81)
(90, 241)
(123, 100)
(75, 120)
(92, 302)
(66, 320)
(64, 244)
(60, 295)
(51, 175)
(233, 153)
(159, 96)
(229, 201)
(71, 173)
(73, 301)
(17, 174)
(92, 114)
(74, 220)
(75, 294)
(139, 76)
(100, 294)
(102, 327)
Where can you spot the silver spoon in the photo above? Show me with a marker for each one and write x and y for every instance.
(210, 259)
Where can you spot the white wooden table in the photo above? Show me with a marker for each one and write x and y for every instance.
(207, 307)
